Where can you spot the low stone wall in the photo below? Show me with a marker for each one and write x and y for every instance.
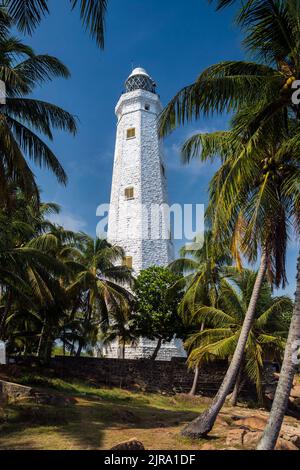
(13, 391)
(144, 374)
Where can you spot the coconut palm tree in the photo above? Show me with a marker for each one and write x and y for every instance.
(23, 119)
(271, 30)
(41, 260)
(252, 211)
(103, 282)
(27, 274)
(121, 329)
(219, 339)
(272, 34)
(28, 14)
(285, 383)
(201, 272)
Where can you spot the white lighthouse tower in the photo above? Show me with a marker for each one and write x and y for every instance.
(139, 178)
(137, 220)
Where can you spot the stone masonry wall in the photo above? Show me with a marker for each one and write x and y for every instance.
(144, 374)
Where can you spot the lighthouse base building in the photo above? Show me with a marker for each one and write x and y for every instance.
(137, 219)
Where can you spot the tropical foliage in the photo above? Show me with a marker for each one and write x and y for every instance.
(264, 129)
(58, 287)
(158, 293)
(56, 284)
(24, 120)
(223, 322)
(29, 13)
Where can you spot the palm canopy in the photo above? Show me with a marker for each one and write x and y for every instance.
(28, 14)
(224, 322)
(28, 275)
(254, 196)
(272, 31)
(102, 281)
(201, 273)
(23, 120)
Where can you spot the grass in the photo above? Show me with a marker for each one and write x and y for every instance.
(99, 419)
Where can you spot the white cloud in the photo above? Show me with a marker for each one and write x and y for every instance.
(69, 221)
(173, 153)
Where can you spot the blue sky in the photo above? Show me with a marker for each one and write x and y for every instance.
(174, 41)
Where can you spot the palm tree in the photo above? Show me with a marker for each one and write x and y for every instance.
(285, 383)
(38, 261)
(22, 119)
(252, 211)
(202, 273)
(64, 247)
(219, 339)
(235, 85)
(28, 14)
(27, 274)
(122, 330)
(272, 35)
(101, 282)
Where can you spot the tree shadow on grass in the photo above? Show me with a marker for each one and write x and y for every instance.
(83, 425)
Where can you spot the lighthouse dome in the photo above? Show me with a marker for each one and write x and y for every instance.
(139, 79)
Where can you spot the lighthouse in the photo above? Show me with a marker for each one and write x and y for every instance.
(138, 216)
(138, 219)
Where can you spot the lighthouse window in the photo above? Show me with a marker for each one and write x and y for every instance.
(163, 170)
(131, 133)
(129, 193)
(127, 261)
(147, 107)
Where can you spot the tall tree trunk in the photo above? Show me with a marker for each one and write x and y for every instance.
(72, 352)
(235, 394)
(5, 313)
(39, 348)
(202, 425)
(195, 382)
(79, 350)
(288, 369)
(196, 372)
(156, 350)
(64, 342)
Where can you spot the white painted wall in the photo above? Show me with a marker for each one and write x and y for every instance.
(137, 164)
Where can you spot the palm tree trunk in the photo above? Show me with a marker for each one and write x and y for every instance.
(79, 350)
(72, 352)
(64, 342)
(5, 313)
(39, 348)
(288, 369)
(155, 352)
(195, 382)
(235, 394)
(202, 425)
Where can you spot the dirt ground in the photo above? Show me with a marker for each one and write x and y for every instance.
(90, 418)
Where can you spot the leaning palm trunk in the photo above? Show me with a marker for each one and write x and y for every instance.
(202, 425)
(288, 369)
